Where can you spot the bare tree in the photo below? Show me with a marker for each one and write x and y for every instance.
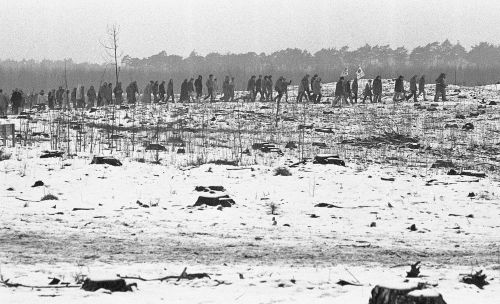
(111, 47)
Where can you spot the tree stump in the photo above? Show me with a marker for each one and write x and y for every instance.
(425, 296)
(105, 160)
(214, 200)
(404, 293)
(325, 159)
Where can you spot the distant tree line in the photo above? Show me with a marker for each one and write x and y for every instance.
(480, 65)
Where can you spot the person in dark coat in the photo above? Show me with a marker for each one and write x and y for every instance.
(312, 82)
(231, 89)
(354, 89)
(109, 94)
(16, 99)
(131, 90)
(210, 88)
(440, 88)
(184, 91)
(413, 89)
(59, 96)
(258, 88)
(316, 96)
(190, 88)
(225, 89)
(51, 96)
(91, 96)
(269, 87)
(399, 89)
(421, 87)
(198, 85)
(100, 94)
(161, 91)
(118, 93)
(377, 89)
(303, 88)
(73, 98)
(154, 90)
(251, 88)
(170, 90)
(347, 91)
(339, 92)
(281, 88)
(368, 91)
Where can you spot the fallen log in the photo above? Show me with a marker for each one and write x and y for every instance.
(15, 285)
(111, 285)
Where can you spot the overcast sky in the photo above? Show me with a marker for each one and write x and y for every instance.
(57, 29)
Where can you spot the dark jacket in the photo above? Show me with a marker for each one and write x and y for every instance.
(354, 86)
(413, 83)
(198, 85)
(258, 84)
(184, 90)
(421, 83)
(170, 88)
(377, 86)
(440, 85)
(339, 88)
(251, 84)
(347, 88)
(399, 86)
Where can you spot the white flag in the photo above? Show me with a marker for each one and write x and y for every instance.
(360, 73)
(345, 72)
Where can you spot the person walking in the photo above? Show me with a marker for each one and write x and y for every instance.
(91, 96)
(399, 89)
(316, 97)
(210, 88)
(269, 88)
(303, 89)
(231, 89)
(354, 89)
(65, 102)
(413, 89)
(278, 87)
(80, 97)
(170, 90)
(368, 91)
(251, 88)
(16, 100)
(347, 92)
(109, 94)
(190, 90)
(4, 103)
(339, 92)
(59, 96)
(118, 93)
(51, 96)
(225, 89)
(198, 85)
(73, 98)
(421, 87)
(184, 91)
(258, 88)
(440, 88)
(161, 91)
(377, 89)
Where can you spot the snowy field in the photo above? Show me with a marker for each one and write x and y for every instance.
(287, 239)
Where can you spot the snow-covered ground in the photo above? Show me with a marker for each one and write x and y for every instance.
(139, 219)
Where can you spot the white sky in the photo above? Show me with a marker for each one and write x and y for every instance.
(57, 29)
